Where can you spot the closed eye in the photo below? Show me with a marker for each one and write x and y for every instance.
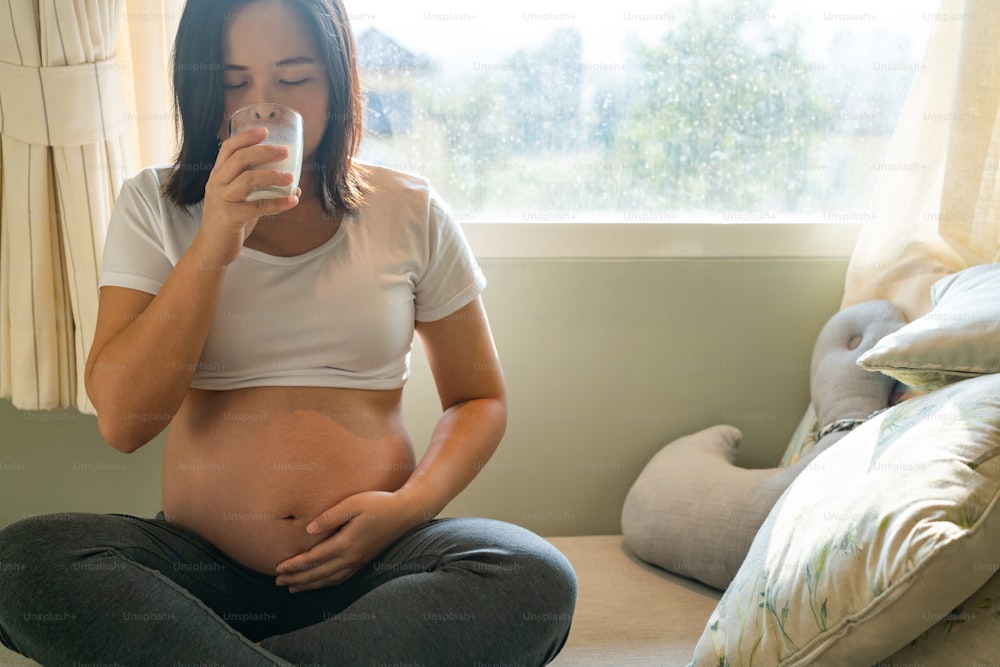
(234, 86)
(296, 83)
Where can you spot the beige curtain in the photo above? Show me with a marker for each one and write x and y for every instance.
(936, 208)
(64, 151)
(84, 102)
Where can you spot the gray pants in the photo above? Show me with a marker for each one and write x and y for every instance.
(116, 589)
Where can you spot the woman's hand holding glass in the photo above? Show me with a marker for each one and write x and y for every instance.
(228, 218)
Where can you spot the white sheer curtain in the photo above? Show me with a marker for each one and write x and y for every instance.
(144, 44)
(84, 102)
(936, 208)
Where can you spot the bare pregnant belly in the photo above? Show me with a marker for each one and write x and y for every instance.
(248, 469)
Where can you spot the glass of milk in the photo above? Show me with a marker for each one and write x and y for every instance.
(284, 126)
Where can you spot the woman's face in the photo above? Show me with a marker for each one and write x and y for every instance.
(269, 56)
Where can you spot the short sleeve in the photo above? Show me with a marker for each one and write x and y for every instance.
(453, 277)
(134, 254)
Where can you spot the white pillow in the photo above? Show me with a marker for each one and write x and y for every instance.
(874, 542)
(958, 339)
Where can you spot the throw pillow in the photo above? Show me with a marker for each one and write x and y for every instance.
(958, 339)
(874, 542)
(691, 511)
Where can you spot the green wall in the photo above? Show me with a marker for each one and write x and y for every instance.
(606, 361)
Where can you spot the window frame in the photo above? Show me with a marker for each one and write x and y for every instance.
(668, 240)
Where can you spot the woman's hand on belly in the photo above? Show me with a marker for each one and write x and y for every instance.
(357, 529)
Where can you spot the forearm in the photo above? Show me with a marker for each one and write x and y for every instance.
(463, 441)
(140, 378)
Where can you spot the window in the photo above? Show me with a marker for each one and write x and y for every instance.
(641, 111)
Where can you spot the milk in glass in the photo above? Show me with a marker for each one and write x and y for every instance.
(284, 127)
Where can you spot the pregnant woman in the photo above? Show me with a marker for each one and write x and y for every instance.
(273, 338)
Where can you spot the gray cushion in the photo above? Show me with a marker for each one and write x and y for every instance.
(691, 511)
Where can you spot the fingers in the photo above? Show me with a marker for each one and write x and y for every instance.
(248, 211)
(355, 531)
(266, 207)
(244, 185)
(318, 567)
(229, 169)
(300, 582)
(241, 140)
(326, 559)
(237, 171)
(332, 519)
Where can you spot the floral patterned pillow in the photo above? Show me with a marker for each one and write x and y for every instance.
(803, 440)
(967, 635)
(875, 542)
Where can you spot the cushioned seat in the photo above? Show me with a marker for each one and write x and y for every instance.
(11, 659)
(629, 613)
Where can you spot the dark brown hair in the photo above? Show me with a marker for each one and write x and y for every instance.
(199, 104)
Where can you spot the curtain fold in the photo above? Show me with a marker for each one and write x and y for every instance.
(971, 197)
(65, 151)
(144, 44)
(935, 207)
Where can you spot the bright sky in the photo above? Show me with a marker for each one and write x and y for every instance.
(460, 31)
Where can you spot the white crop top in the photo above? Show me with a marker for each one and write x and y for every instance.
(340, 315)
